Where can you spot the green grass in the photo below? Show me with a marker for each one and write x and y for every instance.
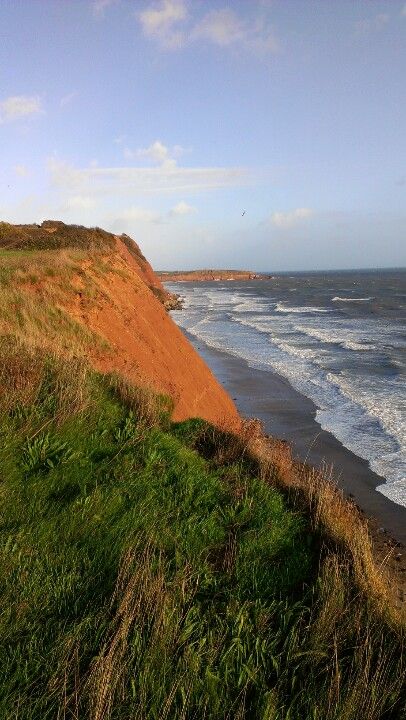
(146, 571)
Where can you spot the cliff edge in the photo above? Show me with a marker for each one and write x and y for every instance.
(95, 291)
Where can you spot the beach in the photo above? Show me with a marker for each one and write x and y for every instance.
(288, 415)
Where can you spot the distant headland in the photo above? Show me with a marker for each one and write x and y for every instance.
(205, 275)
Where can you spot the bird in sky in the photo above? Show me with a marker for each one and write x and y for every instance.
(243, 214)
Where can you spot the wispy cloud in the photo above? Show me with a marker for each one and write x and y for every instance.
(292, 218)
(161, 21)
(172, 25)
(139, 215)
(99, 7)
(17, 107)
(80, 202)
(145, 216)
(21, 170)
(124, 181)
(371, 25)
(225, 28)
(182, 208)
(67, 99)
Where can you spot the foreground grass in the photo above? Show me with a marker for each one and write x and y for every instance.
(147, 572)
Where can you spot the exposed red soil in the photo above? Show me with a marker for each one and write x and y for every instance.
(146, 344)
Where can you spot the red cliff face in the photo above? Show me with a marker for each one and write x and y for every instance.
(105, 283)
(148, 345)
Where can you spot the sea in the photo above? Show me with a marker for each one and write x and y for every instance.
(339, 338)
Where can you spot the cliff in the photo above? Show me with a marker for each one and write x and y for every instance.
(92, 289)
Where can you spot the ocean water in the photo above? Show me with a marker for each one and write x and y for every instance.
(339, 338)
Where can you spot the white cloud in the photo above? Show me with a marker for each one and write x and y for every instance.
(80, 202)
(161, 22)
(19, 106)
(67, 99)
(157, 154)
(144, 216)
(166, 178)
(182, 208)
(100, 6)
(171, 25)
(286, 220)
(21, 170)
(225, 28)
(222, 27)
(371, 25)
(141, 215)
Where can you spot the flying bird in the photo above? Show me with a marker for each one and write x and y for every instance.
(243, 214)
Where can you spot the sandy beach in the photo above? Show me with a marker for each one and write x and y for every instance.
(287, 414)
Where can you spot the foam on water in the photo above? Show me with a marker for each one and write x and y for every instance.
(340, 299)
(317, 350)
(281, 307)
(346, 337)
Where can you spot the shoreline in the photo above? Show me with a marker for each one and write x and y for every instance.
(290, 416)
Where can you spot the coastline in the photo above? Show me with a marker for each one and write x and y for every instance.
(288, 415)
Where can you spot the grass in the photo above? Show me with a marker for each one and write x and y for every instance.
(36, 290)
(30, 254)
(53, 235)
(148, 571)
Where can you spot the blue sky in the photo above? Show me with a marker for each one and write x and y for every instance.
(167, 119)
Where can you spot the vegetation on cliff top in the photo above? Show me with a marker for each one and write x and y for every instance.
(56, 235)
(53, 235)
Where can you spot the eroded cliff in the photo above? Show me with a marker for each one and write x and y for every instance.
(105, 287)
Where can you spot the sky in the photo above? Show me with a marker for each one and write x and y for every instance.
(168, 119)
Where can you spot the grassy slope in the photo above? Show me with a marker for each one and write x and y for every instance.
(146, 572)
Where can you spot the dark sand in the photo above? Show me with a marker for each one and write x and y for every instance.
(287, 414)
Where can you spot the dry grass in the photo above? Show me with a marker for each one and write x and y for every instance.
(31, 375)
(139, 598)
(332, 515)
(35, 289)
(149, 407)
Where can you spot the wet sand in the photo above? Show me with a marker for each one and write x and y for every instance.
(288, 415)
